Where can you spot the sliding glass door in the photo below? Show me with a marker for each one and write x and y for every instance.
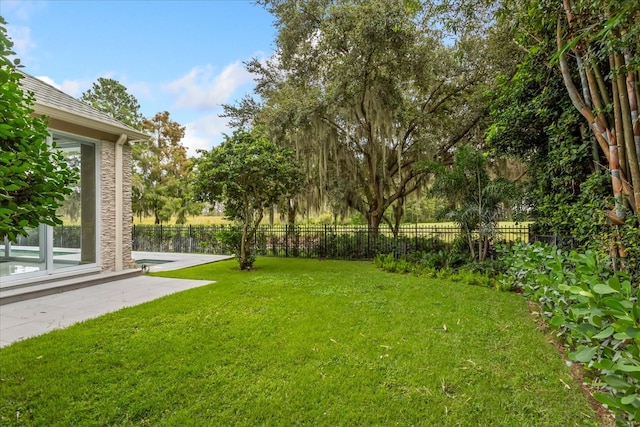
(72, 244)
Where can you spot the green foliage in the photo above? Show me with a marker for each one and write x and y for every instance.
(443, 259)
(534, 121)
(579, 214)
(162, 172)
(475, 201)
(555, 117)
(112, 98)
(364, 91)
(439, 265)
(595, 310)
(231, 237)
(629, 236)
(248, 173)
(34, 177)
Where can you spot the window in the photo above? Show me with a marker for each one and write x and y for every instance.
(72, 244)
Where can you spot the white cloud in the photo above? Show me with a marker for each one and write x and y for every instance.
(75, 88)
(22, 9)
(205, 132)
(21, 38)
(200, 88)
(141, 90)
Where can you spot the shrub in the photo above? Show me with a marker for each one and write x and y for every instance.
(392, 264)
(594, 309)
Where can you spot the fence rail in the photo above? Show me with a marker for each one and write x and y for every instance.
(315, 241)
(64, 236)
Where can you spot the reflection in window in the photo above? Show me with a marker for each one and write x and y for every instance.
(74, 241)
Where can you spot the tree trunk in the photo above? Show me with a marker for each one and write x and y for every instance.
(374, 219)
(245, 248)
(472, 246)
(292, 209)
(398, 213)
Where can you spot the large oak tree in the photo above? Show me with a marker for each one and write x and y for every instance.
(364, 91)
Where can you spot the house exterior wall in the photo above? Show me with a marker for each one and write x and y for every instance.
(127, 210)
(107, 205)
(108, 202)
(86, 135)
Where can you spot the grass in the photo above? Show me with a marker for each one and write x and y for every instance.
(193, 220)
(298, 342)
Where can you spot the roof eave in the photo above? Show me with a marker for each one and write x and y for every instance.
(66, 116)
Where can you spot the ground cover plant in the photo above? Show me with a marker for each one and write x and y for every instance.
(596, 312)
(295, 342)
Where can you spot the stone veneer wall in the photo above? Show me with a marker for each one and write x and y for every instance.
(127, 210)
(108, 208)
(107, 205)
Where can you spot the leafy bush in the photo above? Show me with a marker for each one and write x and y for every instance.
(594, 309)
(392, 264)
(443, 259)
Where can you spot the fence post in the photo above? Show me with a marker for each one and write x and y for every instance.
(286, 240)
(324, 242)
(161, 236)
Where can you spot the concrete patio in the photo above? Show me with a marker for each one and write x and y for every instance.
(35, 316)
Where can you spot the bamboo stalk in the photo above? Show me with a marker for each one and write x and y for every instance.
(616, 181)
(625, 109)
(583, 81)
(597, 100)
(617, 115)
(599, 128)
(602, 86)
(602, 132)
(633, 103)
(633, 143)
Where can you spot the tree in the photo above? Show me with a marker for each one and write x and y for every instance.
(34, 177)
(603, 37)
(162, 172)
(596, 52)
(248, 173)
(112, 98)
(534, 121)
(593, 48)
(364, 92)
(161, 169)
(475, 201)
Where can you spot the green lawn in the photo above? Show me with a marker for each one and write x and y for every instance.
(298, 342)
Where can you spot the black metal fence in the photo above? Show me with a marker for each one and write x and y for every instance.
(313, 241)
(64, 236)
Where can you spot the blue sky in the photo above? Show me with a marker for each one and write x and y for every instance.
(181, 56)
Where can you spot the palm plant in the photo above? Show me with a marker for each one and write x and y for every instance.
(473, 200)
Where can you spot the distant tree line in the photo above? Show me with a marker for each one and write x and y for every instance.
(382, 103)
